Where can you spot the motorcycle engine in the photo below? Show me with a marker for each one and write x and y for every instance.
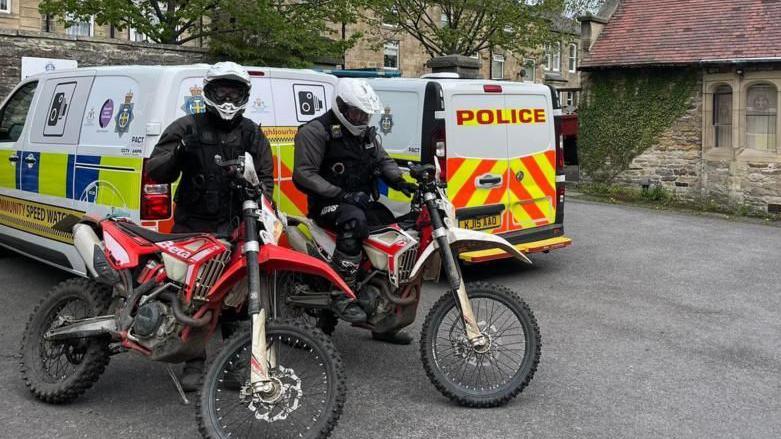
(372, 301)
(154, 321)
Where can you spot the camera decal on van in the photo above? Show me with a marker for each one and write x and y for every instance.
(310, 101)
(58, 109)
(503, 116)
(125, 115)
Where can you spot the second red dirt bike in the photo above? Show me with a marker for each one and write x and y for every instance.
(163, 296)
(480, 343)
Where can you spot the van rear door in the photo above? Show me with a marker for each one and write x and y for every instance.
(477, 165)
(531, 173)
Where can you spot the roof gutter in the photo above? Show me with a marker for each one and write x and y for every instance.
(774, 59)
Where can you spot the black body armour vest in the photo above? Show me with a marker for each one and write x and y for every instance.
(204, 192)
(348, 162)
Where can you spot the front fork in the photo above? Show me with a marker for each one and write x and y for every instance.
(262, 358)
(457, 286)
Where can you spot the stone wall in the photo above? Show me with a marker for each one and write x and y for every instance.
(14, 44)
(675, 161)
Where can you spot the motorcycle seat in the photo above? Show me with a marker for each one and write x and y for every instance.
(152, 236)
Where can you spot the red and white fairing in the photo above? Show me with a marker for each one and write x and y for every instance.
(393, 250)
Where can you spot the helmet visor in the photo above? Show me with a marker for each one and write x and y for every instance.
(354, 115)
(230, 92)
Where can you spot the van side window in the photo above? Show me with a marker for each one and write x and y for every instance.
(14, 114)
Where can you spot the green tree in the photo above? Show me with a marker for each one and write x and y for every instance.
(169, 22)
(284, 33)
(465, 27)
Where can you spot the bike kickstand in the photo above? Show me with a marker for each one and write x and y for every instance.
(178, 385)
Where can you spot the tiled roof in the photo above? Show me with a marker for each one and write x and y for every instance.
(676, 32)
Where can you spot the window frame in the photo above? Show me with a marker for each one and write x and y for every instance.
(772, 116)
(91, 28)
(497, 58)
(390, 45)
(7, 9)
(573, 58)
(557, 57)
(714, 122)
(525, 65)
(394, 11)
(34, 85)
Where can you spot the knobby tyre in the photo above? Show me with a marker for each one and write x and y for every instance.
(477, 378)
(310, 371)
(58, 372)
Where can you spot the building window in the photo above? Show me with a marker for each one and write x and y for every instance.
(134, 35)
(573, 58)
(393, 15)
(529, 70)
(761, 110)
(569, 100)
(497, 67)
(552, 59)
(81, 28)
(391, 51)
(443, 21)
(722, 116)
(5, 6)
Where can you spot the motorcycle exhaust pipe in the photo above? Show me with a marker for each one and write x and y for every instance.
(181, 316)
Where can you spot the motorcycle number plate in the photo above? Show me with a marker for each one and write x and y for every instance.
(481, 222)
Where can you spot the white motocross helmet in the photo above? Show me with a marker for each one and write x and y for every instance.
(226, 89)
(354, 103)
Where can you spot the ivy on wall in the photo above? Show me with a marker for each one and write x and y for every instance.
(624, 113)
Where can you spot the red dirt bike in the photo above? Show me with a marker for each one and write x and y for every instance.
(163, 296)
(480, 343)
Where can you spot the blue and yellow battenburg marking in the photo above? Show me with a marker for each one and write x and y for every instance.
(108, 181)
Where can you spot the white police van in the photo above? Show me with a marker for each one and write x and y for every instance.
(74, 142)
(498, 146)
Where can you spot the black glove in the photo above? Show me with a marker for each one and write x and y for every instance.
(405, 187)
(358, 199)
(181, 151)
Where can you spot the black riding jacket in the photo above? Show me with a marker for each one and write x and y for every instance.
(204, 198)
(330, 161)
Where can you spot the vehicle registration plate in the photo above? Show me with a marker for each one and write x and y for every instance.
(481, 222)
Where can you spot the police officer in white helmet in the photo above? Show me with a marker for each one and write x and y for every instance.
(204, 199)
(337, 157)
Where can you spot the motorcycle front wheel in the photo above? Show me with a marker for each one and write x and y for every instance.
(310, 375)
(491, 375)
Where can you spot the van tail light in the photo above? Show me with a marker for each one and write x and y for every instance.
(155, 199)
(559, 145)
(440, 150)
(492, 88)
(560, 190)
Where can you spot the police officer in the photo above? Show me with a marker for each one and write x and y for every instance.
(204, 199)
(337, 156)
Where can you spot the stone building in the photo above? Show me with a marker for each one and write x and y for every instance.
(725, 147)
(555, 64)
(385, 48)
(24, 15)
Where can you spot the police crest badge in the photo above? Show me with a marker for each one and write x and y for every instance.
(124, 115)
(386, 121)
(194, 103)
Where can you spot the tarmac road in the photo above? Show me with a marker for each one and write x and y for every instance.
(654, 324)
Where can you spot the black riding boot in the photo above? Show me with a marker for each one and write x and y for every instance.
(344, 307)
